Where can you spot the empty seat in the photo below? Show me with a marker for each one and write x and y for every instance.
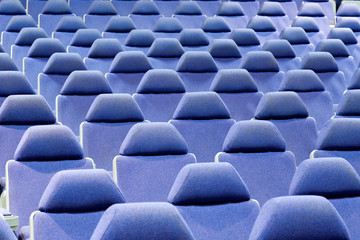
(78, 215)
(355, 80)
(189, 14)
(124, 7)
(82, 41)
(325, 66)
(101, 54)
(167, 27)
(145, 14)
(247, 40)
(264, 28)
(8, 9)
(76, 96)
(194, 40)
(107, 123)
(348, 107)
(313, 10)
(66, 29)
(126, 71)
(289, 114)
(99, 14)
(348, 10)
(34, 8)
(311, 29)
(211, 211)
(6, 64)
(276, 13)
(209, 7)
(327, 6)
(311, 90)
(290, 8)
(119, 27)
(233, 14)
(251, 7)
(215, 28)
(139, 40)
(267, 75)
(167, 8)
(57, 69)
(352, 23)
(239, 92)
(199, 117)
(155, 153)
(5, 230)
(225, 53)
(256, 149)
(299, 41)
(159, 93)
(281, 217)
(151, 221)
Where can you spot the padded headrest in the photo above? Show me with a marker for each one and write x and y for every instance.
(252, 59)
(350, 22)
(45, 47)
(344, 34)
(105, 48)
(261, 24)
(348, 10)
(26, 110)
(355, 80)
(114, 108)
(145, 8)
(56, 7)
(64, 64)
(301, 80)
(48, 142)
(245, 37)
(340, 134)
(130, 62)
(254, 136)
(281, 105)
(84, 190)
(215, 24)
(168, 25)
(273, 9)
(70, 24)
(188, 8)
(348, 105)
(166, 47)
(319, 62)
(208, 183)
(85, 37)
(27, 36)
(160, 221)
(17, 23)
(299, 217)
(327, 177)
(196, 61)
(224, 48)
(233, 81)
(193, 37)
(120, 24)
(140, 38)
(295, 35)
(311, 10)
(86, 83)
(102, 8)
(334, 46)
(13, 83)
(6, 63)
(280, 48)
(12, 8)
(161, 81)
(230, 9)
(307, 23)
(201, 106)
(149, 139)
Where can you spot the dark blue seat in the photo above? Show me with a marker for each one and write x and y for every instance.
(82, 41)
(348, 107)
(347, 10)
(167, 27)
(313, 10)
(276, 13)
(8, 9)
(194, 39)
(251, 7)
(216, 28)
(233, 14)
(98, 15)
(264, 28)
(189, 14)
(298, 39)
(352, 23)
(247, 40)
(145, 14)
(310, 27)
(139, 40)
(66, 29)
(119, 27)
(225, 53)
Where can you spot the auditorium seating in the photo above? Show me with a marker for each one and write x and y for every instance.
(311, 29)
(82, 41)
(118, 27)
(299, 40)
(233, 14)
(347, 107)
(66, 28)
(98, 14)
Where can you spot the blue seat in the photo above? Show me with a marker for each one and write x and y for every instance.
(101, 54)
(166, 8)
(233, 14)
(6, 64)
(66, 29)
(194, 39)
(267, 76)
(284, 54)
(281, 218)
(312, 92)
(5, 230)
(256, 149)
(311, 29)
(289, 114)
(34, 8)
(347, 10)
(98, 15)
(298, 39)
(119, 27)
(199, 117)
(264, 28)
(126, 71)
(145, 14)
(82, 41)
(8, 9)
(211, 211)
(139, 40)
(152, 221)
(251, 7)
(167, 27)
(37, 57)
(327, 7)
(352, 23)
(276, 13)
(325, 66)
(107, 123)
(216, 28)
(77, 216)
(158, 94)
(355, 80)
(189, 14)
(247, 40)
(80, 7)
(57, 69)
(124, 7)
(209, 7)
(290, 8)
(313, 10)
(76, 96)
(226, 53)
(348, 107)
(239, 92)
(155, 152)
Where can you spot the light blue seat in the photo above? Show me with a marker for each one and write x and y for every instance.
(194, 39)
(167, 27)
(8, 9)
(290, 8)
(66, 29)
(246, 40)
(216, 28)
(209, 7)
(299, 41)
(80, 7)
(167, 8)
(82, 41)
(119, 27)
(251, 7)
(145, 14)
(189, 14)
(124, 7)
(5, 230)
(98, 15)
(311, 29)
(355, 80)
(352, 23)
(313, 10)
(264, 28)
(139, 40)
(347, 10)
(348, 107)
(328, 8)
(6, 63)
(276, 13)
(225, 53)
(233, 14)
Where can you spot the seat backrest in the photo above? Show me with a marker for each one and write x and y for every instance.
(246, 39)
(139, 40)
(66, 28)
(216, 28)
(118, 27)
(82, 40)
(276, 13)
(347, 106)
(234, 14)
(193, 39)
(145, 14)
(5, 230)
(310, 27)
(313, 9)
(225, 53)
(355, 80)
(165, 53)
(189, 14)
(167, 27)
(98, 14)
(264, 28)
(9, 9)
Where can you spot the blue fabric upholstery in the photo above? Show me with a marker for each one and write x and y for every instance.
(301, 80)
(299, 217)
(320, 62)
(271, 9)
(64, 64)
(215, 24)
(307, 23)
(168, 25)
(295, 35)
(85, 37)
(120, 24)
(348, 105)
(311, 9)
(166, 48)
(56, 7)
(245, 37)
(230, 9)
(193, 61)
(5, 230)
(188, 8)
(250, 62)
(130, 62)
(344, 34)
(261, 24)
(351, 23)
(140, 38)
(146, 139)
(224, 48)
(25, 110)
(334, 46)
(281, 105)
(45, 47)
(348, 10)
(151, 221)
(27, 36)
(55, 142)
(18, 22)
(13, 82)
(279, 48)
(96, 184)
(105, 48)
(12, 8)
(145, 8)
(193, 37)
(70, 24)
(101, 8)
(233, 81)
(355, 80)
(161, 81)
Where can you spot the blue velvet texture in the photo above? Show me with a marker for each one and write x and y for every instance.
(271, 9)
(245, 37)
(45, 47)
(64, 64)
(101, 8)
(224, 48)
(55, 7)
(70, 24)
(166, 48)
(130, 62)
(334, 46)
(105, 48)
(252, 59)
(320, 62)
(261, 24)
(233, 81)
(344, 34)
(196, 62)
(295, 35)
(161, 81)
(280, 48)
(215, 24)
(85, 37)
(349, 104)
(301, 80)
(13, 82)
